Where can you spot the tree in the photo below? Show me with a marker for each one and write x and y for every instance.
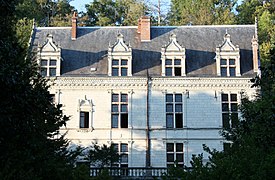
(30, 143)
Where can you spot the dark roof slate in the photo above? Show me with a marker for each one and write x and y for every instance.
(90, 48)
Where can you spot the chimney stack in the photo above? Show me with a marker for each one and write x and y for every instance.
(144, 28)
(255, 54)
(74, 26)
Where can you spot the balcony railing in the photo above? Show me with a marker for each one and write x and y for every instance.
(129, 171)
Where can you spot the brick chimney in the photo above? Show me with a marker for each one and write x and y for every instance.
(74, 26)
(144, 28)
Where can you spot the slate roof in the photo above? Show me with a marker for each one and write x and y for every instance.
(90, 48)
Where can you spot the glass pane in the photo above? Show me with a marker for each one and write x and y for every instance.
(179, 147)
(115, 146)
(178, 97)
(234, 119)
(234, 107)
(177, 71)
(114, 107)
(44, 62)
(223, 71)
(223, 61)
(124, 158)
(225, 107)
(124, 108)
(170, 147)
(179, 157)
(178, 108)
(233, 97)
(169, 120)
(168, 62)
(124, 98)
(52, 71)
(225, 120)
(114, 120)
(231, 61)
(177, 62)
(169, 97)
(124, 120)
(114, 97)
(52, 62)
(124, 62)
(224, 97)
(169, 107)
(232, 71)
(115, 62)
(43, 72)
(170, 157)
(124, 147)
(124, 71)
(114, 71)
(168, 71)
(179, 122)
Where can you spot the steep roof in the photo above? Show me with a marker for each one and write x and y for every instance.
(90, 48)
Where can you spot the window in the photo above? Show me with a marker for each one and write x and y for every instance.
(174, 154)
(119, 111)
(229, 110)
(174, 114)
(84, 119)
(228, 67)
(173, 67)
(48, 67)
(122, 150)
(119, 67)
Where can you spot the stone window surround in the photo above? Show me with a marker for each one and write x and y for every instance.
(85, 106)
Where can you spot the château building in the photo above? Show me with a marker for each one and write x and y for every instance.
(157, 93)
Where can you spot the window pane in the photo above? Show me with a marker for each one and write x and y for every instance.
(169, 107)
(234, 119)
(114, 120)
(169, 120)
(178, 97)
(177, 71)
(124, 147)
(114, 97)
(124, 98)
(223, 61)
(124, 71)
(124, 62)
(233, 97)
(234, 107)
(178, 108)
(179, 147)
(223, 71)
(225, 120)
(115, 63)
(231, 61)
(52, 71)
(115, 146)
(169, 97)
(168, 71)
(44, 62)
(170, 157)
(168, 62)
(114, 107)
(124, 120)
(124, 108)
(114, 71)
(232, 71)
(124, 158)
(225, 107)
(179, 157)
(43, 72)
(179, 123)
(224, 97)
(177, 62)
(170, 147)
(84, 119)
(52, 62)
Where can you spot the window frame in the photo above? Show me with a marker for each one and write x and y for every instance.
(120, 150)
(229, 110)
(228, 66)
(120, 67)
(86, 123)
(174, 153)
(48, 66)
(121, 114)
(171, 111)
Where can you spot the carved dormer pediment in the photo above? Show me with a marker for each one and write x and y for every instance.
(85, 104)
(173, 45)
(49, 45)
(120, 46)
(227, 45)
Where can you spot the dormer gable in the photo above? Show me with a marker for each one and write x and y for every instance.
(173, 58)
(120, 58)
(49, 57)
(228, 58)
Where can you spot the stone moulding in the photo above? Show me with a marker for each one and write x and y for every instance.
(141, 83)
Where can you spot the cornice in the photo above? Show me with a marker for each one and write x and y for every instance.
(155, 83)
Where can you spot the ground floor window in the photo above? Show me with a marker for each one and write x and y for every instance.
(174, 154)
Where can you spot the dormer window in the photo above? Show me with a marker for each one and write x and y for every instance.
(228, 58)
(120, 58)
(49, 58)
(173, 58)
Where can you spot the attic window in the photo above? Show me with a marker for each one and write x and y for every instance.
(48, 67)
(119, 67)
(173, 58)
